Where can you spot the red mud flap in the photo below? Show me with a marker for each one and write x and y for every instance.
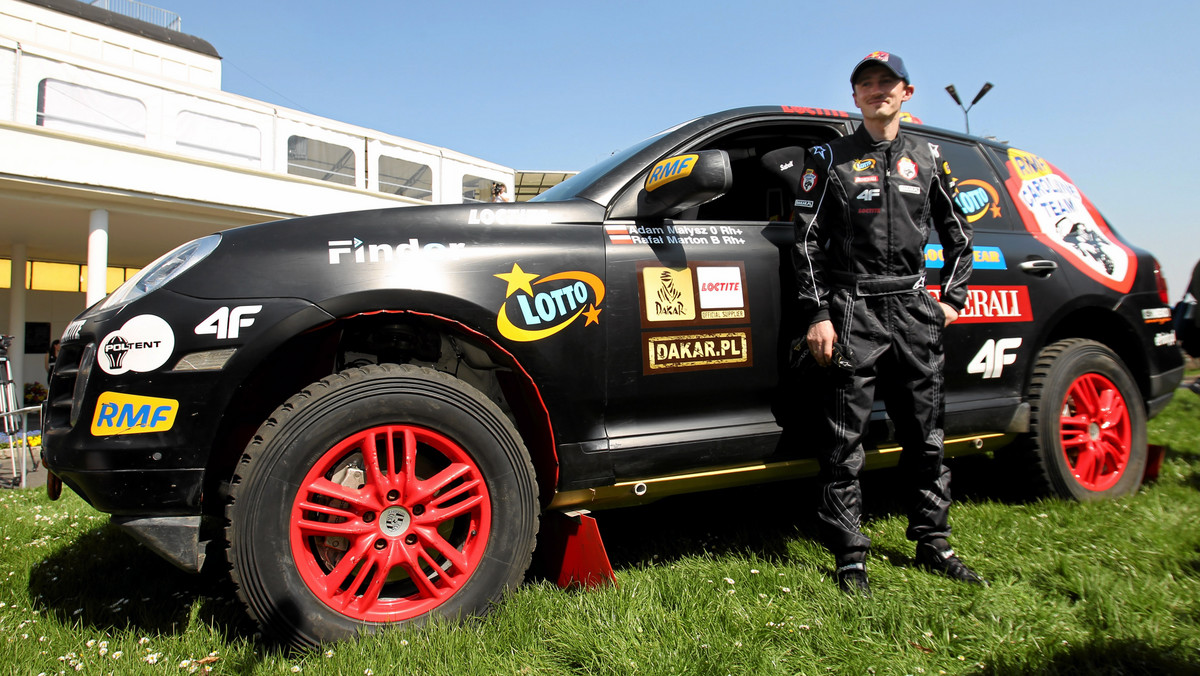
(1154, 460)
(571, 552)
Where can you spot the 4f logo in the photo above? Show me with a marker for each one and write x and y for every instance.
(227, 323)
(995, 355)
(868, 194)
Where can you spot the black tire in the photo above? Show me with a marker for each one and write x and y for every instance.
(1088, 425)
(458, 503)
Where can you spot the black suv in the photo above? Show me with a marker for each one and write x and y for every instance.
(373, 411)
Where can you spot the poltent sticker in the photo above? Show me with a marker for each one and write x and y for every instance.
(1060, 216)
(142, 344)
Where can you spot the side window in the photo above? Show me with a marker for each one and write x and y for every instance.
(974, 186)
(86, 110)
(757, 195)
(476, 189)
(409, 179)
(320, 160)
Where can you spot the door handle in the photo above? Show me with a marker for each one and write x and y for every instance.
(1040, 267)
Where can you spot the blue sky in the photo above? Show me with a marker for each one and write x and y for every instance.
(1099, 88)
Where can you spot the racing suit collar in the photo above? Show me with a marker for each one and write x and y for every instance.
(863, 136)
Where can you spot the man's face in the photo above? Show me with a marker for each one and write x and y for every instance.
(878, 93)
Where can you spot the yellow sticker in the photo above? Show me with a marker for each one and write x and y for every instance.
(1028, 165)
(670, 169)
(668, 293)
(131, 414)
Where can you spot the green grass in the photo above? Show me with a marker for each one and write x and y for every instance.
(722, 583)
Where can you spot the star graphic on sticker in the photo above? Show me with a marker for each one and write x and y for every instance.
(593, 315)
(518, 280)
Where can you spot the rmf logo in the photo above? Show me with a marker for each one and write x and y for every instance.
(559, 300)
(130, 414)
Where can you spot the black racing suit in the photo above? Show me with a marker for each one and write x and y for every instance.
(863, 215)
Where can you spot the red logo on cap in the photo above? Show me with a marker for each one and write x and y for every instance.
(878, 56)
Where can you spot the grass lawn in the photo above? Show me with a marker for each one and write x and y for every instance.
(722, 583)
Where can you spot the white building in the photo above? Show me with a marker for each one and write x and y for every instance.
(117, 144)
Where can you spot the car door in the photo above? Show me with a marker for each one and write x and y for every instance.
(695, 309)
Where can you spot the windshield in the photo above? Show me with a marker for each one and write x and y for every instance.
(572, 186)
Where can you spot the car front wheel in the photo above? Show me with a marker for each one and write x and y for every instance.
(376, 497)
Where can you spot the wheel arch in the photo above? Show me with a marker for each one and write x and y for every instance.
(312, 354)
(1109, 328)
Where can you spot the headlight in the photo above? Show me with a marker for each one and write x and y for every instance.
(161, 271)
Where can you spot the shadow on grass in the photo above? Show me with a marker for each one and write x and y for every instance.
(1103, 657)
(105, 580)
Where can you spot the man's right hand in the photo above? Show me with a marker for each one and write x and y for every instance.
(821, 338)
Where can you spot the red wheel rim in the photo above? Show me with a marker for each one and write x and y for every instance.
(1096, 432)
(390, 523)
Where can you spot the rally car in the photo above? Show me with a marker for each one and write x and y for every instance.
(373, 412)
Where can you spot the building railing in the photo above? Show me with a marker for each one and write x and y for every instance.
(142, 12)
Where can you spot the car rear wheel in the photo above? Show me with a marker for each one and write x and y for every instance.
(376, 497)
(1088, 438)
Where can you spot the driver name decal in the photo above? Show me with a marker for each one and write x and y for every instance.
(1059, 215)
(538, 307)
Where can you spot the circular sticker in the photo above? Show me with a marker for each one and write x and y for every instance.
(907, 168)
(143, 344)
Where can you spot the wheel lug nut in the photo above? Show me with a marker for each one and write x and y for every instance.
(393, 495)
(380, 543)
(410, 539)
(369, 517)
(418, 510)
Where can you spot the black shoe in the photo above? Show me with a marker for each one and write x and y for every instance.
(943, 562)
(852, 579)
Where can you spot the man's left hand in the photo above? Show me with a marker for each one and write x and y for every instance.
(951, 314)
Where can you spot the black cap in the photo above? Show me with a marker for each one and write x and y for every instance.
(890, 61)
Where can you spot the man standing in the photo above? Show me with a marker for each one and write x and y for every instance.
(863, 212)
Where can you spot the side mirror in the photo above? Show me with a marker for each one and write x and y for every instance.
(675, 184)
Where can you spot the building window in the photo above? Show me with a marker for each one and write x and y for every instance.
(218, 138)
(476, 189)
(69, 277)
(84, 110)
(320, 160)
(404, 178)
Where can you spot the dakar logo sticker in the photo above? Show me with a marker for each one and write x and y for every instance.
(143, 344)
(558, 300)
(809, 180)
(668, 294)
(907, 168)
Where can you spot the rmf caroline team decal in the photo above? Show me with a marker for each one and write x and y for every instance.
(533, 310)
(1059, 215)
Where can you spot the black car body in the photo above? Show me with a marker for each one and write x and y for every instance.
(628, 333)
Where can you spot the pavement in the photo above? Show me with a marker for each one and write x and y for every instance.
(10, 468)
